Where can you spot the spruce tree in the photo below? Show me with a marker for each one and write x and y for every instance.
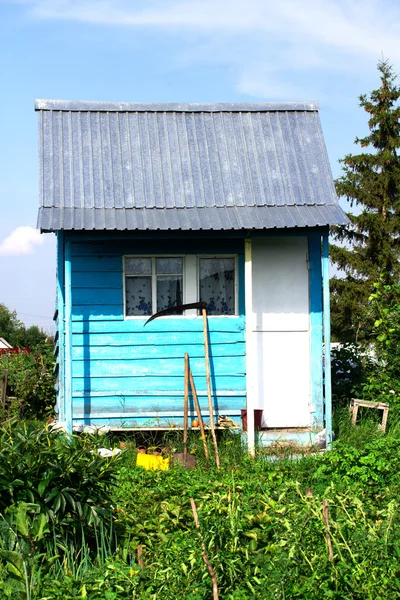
(370, 244)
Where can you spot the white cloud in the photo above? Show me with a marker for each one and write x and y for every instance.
(270, 39)
(21, 241)
(356, 26)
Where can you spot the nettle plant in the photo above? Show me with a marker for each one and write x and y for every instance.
(383, 378)
(30, 387)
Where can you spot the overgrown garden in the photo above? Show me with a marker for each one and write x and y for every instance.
(287, 523)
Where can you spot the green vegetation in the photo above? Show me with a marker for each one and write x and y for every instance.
(371, 182)
(30, 389)
(72, 522)
(19, 336)
(30, 385)
(281, 525)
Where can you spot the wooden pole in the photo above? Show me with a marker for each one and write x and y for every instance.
(210, 570)
(197, 405)
(185, 407)
(140, 557)
(4, 391)
(328, 531)
(210, 405)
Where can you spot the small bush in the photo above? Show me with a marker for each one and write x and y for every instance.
(31, 384)
(54, 488)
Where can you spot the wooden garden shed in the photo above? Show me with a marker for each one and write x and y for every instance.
(155, 205)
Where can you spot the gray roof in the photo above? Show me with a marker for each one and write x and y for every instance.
(183, 166)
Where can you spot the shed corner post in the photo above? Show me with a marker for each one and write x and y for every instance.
(60, 306)
(248, 275)
(316, 330)
(327, 339)
(68, 339)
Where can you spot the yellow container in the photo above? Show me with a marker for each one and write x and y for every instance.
(152, 463)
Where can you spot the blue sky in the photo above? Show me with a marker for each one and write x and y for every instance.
(169, 51)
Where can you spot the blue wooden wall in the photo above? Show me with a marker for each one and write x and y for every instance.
(125, 375)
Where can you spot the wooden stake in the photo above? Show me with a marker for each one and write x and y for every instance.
(185, 407)
(328, 531)
(140, 557)
(210, 405)
(210, 570)
(4, 390)
(197, 405)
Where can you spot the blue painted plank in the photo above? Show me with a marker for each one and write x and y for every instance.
(316, 348)
(68, 339)
(163, 324)
(143, 422)
(157, 393)
(163, 338)
(97, 264)
(135, 352)
(108, 279)
(327, 339)
(153, 247)
(60, 334)
(152, 405)
(97, 297)
(97, 313)
(149, 384)
(234, 365)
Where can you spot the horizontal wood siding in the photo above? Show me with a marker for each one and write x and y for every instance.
(128, 375)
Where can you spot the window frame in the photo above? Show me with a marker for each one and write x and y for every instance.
(153, 280)
(190, 280)
(236, 282)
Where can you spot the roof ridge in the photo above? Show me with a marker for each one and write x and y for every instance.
(96, 106)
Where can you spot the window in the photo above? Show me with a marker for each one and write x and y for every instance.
(217, 285)
(152, 284)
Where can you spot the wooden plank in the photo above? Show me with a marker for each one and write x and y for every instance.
(155, 394)
(355, 404)
(316, 326)
(110, 279)
(185, 404)
(226, 365)
(145, 423)
(169, 324)
(79, 413)
(154, 247)
(4, 392)
(149, 384)
(97, 296)
(90, 264)
(162, 338)
(149, 409)
(97, 313)
(143, 352)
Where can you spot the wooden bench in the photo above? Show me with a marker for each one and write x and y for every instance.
(355, 404)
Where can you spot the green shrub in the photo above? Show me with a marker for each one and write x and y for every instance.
(31, 384)
(53, 487)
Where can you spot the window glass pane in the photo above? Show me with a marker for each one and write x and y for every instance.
(138, 266)
(169, 266)
(138, 296)
(217, 285)
(169, 292)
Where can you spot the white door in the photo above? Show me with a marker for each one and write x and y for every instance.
(279, 339)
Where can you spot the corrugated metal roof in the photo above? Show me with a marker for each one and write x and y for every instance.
(183, 166)
(215, 218)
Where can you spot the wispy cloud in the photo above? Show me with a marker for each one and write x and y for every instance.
(360, 26)
(21, 241)
(304, 36)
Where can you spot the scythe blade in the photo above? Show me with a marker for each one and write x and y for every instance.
(176, 309)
